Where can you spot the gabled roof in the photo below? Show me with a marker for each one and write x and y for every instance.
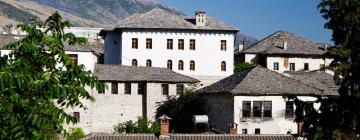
(121, 73)
(319, 79)
(259, 81)
(161, 19)
(296, 45)
(6, 39)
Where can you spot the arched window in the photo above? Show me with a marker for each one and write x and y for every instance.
(223, 66)
(192, 65)
(148, 63)
(181, 65)
(134, 62)
(169, 64)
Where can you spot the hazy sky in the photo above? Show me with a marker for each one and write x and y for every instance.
(260, 18)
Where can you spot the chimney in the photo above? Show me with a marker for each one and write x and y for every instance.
(233, 128)
(164, 126)
(325, 47)
(285, 45)
(200, 18)
(241, 47)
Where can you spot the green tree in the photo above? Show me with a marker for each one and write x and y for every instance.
(142, 125)
(181, 109)
(338, 117)
(240, 67)
(75, 134)
(38, 81)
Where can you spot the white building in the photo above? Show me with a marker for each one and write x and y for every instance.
(284, 51)
(132, 92)
(254, 99)
(200, 47)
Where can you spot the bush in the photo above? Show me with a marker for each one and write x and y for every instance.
(142, 125)
(76, 133)
(240, 67)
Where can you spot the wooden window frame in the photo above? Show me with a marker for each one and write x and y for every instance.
(223, 45)
(134, 62)
(169, 64)
(127, 88)
(257, 113)
(267, 113)
(135, 43)
(276, 65)
(289, 109)
(192, 65)
(73, 58)
(180, 88)
(181, 44)
(148, 63)
(181, 65)
(192, 44)
(142, 88)
(169, 44)
(148, 43)
(223, 66)
(77, 115)
(165, 89)
(114, 88)
(306, 66)
(246, 112)
(292, 66)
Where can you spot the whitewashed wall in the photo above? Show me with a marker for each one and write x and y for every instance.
(278, 124)
(111, 109)
(314, 63)
(207, 55)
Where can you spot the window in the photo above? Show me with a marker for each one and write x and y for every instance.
(322, 67)
(289, 109)
(257, 109)
(127, 88)
(267, 109)
(192, 44)
(169, 44)
(223, 66)
(77, 116)
(292, 66)
(181, 65)
(141, 88)
(114, 88)
(276, 66)
(223, 45)
(257, 130)
(179, 89)
(102, 91)
(181, 44)
(134, 43)
(246, 111)
(134, 62)
(148, 63)
(244, 131)
(73, 58)
(169, 64)
(306, 66)
(165, 89)
(148, 43)
(192, 65)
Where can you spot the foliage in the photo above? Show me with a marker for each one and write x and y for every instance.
(181, 109)
(75, 134)
(142, 125)
(338, 117)
(245, 65)
(38, 81)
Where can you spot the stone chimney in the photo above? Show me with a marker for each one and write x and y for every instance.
(233, 128)
(325, 47)
(200, 18)
(285, 45)
(164, 126)
(241, 47)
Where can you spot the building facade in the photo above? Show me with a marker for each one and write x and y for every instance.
(200, 47)
(284, 51)
(255, 100)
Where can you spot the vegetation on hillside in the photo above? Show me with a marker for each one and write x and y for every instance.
(38, 81)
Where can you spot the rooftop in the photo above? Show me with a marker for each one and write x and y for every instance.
(296, 45)
(259, 81)
(161, 19)
(123, 73)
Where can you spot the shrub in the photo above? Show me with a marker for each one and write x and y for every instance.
(142, 125)
(76, 133)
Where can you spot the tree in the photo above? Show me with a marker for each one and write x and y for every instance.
(38, 81)
(76, 133)
(181, 109)
(338, 117)
(245, 65)
(142, 125)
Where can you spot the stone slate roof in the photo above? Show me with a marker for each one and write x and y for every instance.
(259, 81)
(296, 45)
(6, 39)
(319, 79)
(105, 136)
(123, 73)
(160, 19)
